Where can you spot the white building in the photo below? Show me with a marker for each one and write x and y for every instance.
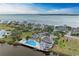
(61, 28)
(3, 33)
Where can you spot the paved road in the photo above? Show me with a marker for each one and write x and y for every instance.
(7, 50)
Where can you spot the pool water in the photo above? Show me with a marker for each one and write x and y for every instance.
(31, 42)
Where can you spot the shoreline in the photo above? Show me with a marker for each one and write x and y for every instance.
(6, 47)
(10, 50)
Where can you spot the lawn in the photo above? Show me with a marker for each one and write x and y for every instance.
(70, 47)
(9, 39)
(5, 27)
(25, 34)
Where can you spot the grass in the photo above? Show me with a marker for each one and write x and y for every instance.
(9, 39)
(5, 27)
(70, 47)
(61, 43)
(25, 34)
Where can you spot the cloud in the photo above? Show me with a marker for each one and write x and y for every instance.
(74, 10)
(29, 8)
(19, 9)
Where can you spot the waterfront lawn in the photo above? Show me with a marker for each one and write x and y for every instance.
(8, 40)
(70, 47)
(25, 34)
(5, 27)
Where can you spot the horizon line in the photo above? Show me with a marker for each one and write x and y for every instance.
(40, 14)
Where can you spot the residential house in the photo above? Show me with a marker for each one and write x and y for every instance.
(46, 43)
(34, 36)
(3, 33)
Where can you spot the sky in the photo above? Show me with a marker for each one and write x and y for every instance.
(39, 8)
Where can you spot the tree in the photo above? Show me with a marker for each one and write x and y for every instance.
(57, 34)
(29, 25)
(56, 40)
(27, 37)
(16, 35)
(49, 28)
(62, 33)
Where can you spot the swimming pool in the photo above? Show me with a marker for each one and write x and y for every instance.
(34, 44)
(31, 42)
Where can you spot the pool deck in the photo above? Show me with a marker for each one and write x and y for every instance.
(33, 44)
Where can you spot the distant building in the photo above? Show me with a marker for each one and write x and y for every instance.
(71, 35)
(36, 26)
(75, 31)
(61, 28)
